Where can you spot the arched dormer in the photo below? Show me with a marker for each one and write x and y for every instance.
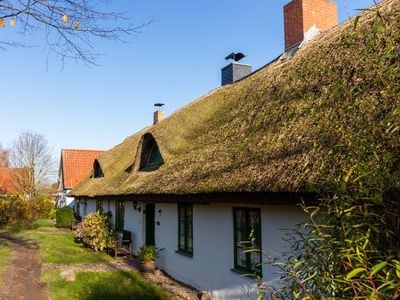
(148, 157)
(97, 171)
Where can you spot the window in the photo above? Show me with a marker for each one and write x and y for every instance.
(185, 228)
(78, 209)
(99, 205)
(149, 157)
(155, 157)
(247, 227)
(119, 215)
(97, 171)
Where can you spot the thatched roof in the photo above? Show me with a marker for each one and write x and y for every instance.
(288, 127)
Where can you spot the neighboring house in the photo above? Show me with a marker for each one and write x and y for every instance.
(8, 180)
(75, 165)
(236, 161)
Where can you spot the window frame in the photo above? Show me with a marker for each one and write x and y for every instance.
(154, 164)
(99, 206)
(78, 208)
(145, 150)
(247, 269)
(97, 170)
(188, 223)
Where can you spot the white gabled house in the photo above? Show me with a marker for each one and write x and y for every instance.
(74, 165)
(235, 161)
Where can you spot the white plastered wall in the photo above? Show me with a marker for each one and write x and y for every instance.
(210, 267)
(134, 221)
(91, 206)
(80, 208)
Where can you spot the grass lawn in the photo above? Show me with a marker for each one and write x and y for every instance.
(61, 248)
(108, 285)
(57, 247)
(4, 258)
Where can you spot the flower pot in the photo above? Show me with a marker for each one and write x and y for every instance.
(148, 267)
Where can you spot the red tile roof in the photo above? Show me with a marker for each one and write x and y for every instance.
(8, 181)
(76, 165)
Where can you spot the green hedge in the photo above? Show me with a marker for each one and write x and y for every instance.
(63, 216)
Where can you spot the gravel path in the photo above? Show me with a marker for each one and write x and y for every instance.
(176, 289)
(95, 267)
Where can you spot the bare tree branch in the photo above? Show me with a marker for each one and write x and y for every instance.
(31, 156)
(69, 27)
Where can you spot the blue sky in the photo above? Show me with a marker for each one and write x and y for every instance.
(174, 60)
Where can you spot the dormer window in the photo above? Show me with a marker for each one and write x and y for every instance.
(149, 157)
(97, 171)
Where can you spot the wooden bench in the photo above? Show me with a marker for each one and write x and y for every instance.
(73, 224)
(124, 246)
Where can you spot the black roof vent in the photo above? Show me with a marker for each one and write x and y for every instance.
(235, 56)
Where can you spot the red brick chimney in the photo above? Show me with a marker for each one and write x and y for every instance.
(301, 15)
(158, 115)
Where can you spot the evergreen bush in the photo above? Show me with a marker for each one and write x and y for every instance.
(63, 217)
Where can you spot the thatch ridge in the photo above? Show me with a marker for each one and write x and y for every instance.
(271, 132)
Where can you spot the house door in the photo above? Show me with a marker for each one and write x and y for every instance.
(150, 234)
(119, 215)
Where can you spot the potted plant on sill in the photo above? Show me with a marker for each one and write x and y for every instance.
(147, 256)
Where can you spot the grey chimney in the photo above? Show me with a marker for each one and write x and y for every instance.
(235, 70)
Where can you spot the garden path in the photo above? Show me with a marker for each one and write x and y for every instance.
(22, 276)
(91, 267)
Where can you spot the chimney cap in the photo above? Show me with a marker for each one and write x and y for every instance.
(158, 104)
(235, 56)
